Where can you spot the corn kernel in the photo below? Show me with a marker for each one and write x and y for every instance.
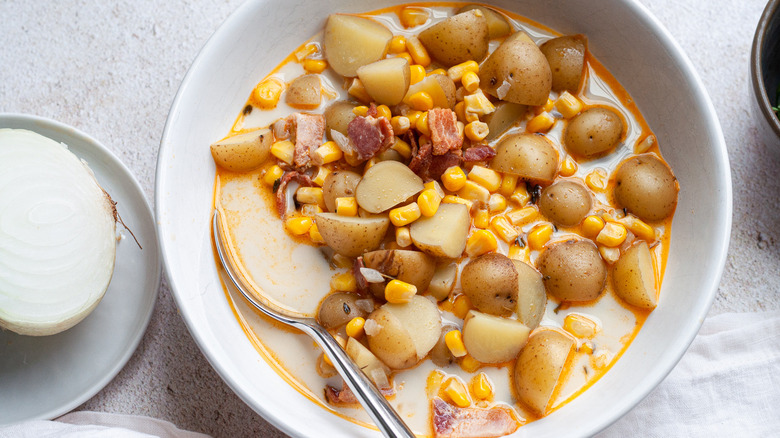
(457, 393)
(344, 282)
(429, 201)
(497, 203)
(487, 178)
(522, 216)
(597, 180)
(315, 65)
(384, 111)
(481, 387)
(438, 71)
(413, 116)
(612, 235)
(310, 195)
(418, 52)
(314, 234)
(346, 206)
(354, 327)
(504, 229)
(342, 262)
(645, 144)
(397, 44)
(408, 58)
(310, 210)
(417, 73)
(476, 130)
(539, 236)
(422, 125)
(591, 226)
(319, 178)
(326, 359)
(461, 128)
(470, 81)
(361, 110)
(454, 178)
(456, 71)
(421, 101)
(541, 123)
(586, 348)
(267, 93)
(474, 192)
(477, 104)
(400, 125)
(412, 17)
(370, 163)
(454, 341)
(403, 237)
(399, 292)
(640, 228)
(481, 242)
(610, 255)
(298, 225)
(283, 150)
(520, 195)
(580, 325)
(547, 107)
(435, 186)
(358, 91)
(482, 218)
(568, 105)
(327, 153)
(405, 215)
(508, 184)
(568, 167)
(460, 112)
(469, 364)
(452, 199)
(461, 306)
(272, 174)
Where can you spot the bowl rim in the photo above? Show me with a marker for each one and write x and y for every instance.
(708, 291)
(756, 60)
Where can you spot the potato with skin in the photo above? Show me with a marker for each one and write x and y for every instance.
(443, 281)
(565, 202)
(490, 282)
(243, 152)
(365, 359)
(529, 156)
(593, 132)
(497, 24)
(338, 309)
(539, 367)
(531, 295)
(633, 276)
(505, 115)
(517, 72)
(457, 39)
(440, 353)
(351, 236)
(385, 185)
(566, 56)
(304, 92)
(401, 335)
(337, 117)
(386, 80)
(445, 233)
(440, 87)
(492, 339)
(573, 270)
(646, 187)
(339, 184)
(350, 42)
(413, 267)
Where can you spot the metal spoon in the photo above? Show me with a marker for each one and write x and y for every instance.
(384, 416)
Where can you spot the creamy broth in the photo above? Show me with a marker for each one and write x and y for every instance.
(297, 274)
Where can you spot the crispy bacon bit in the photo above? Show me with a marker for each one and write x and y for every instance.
(370, 135)
(281, 195)
(282, 128)
(309, 130)
(441, 163)
(345, 396)
(421, 160)
(454, 422)
(443, 124)
(360, 279)
(478, 153)
(372, 110)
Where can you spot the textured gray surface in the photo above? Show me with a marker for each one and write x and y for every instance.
(112, 69)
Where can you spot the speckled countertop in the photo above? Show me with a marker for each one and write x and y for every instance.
(111, 69)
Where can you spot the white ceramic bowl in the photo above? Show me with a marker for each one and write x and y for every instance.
(621, 34)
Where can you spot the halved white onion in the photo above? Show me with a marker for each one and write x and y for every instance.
(57, 235)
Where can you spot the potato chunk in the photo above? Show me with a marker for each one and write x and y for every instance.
(457, 39)
(401, 335)
(517, 72)
(304, 92)
(349, 235)
(413, 267)
(539, 367)
(528, 156)
(385, 185)
(243, 152)
(492, 339)
(445, 233)
(497, 25)
(351, 42)
(633, 276)
(386, 80)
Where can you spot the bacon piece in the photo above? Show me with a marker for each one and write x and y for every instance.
(372, 110)
(478, 153)
(281, 195)
(443, 124)
(421, 161)
(362, 283)
(345, 396)
(370, 135)
(309, 130)
(454, 422)
(440, 163)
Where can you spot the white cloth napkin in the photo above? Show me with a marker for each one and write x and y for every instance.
(726, 385)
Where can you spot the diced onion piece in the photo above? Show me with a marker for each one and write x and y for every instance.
(379, 377)
(57, 235)
(372, 275)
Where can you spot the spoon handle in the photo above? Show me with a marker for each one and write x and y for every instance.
(384, 416)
